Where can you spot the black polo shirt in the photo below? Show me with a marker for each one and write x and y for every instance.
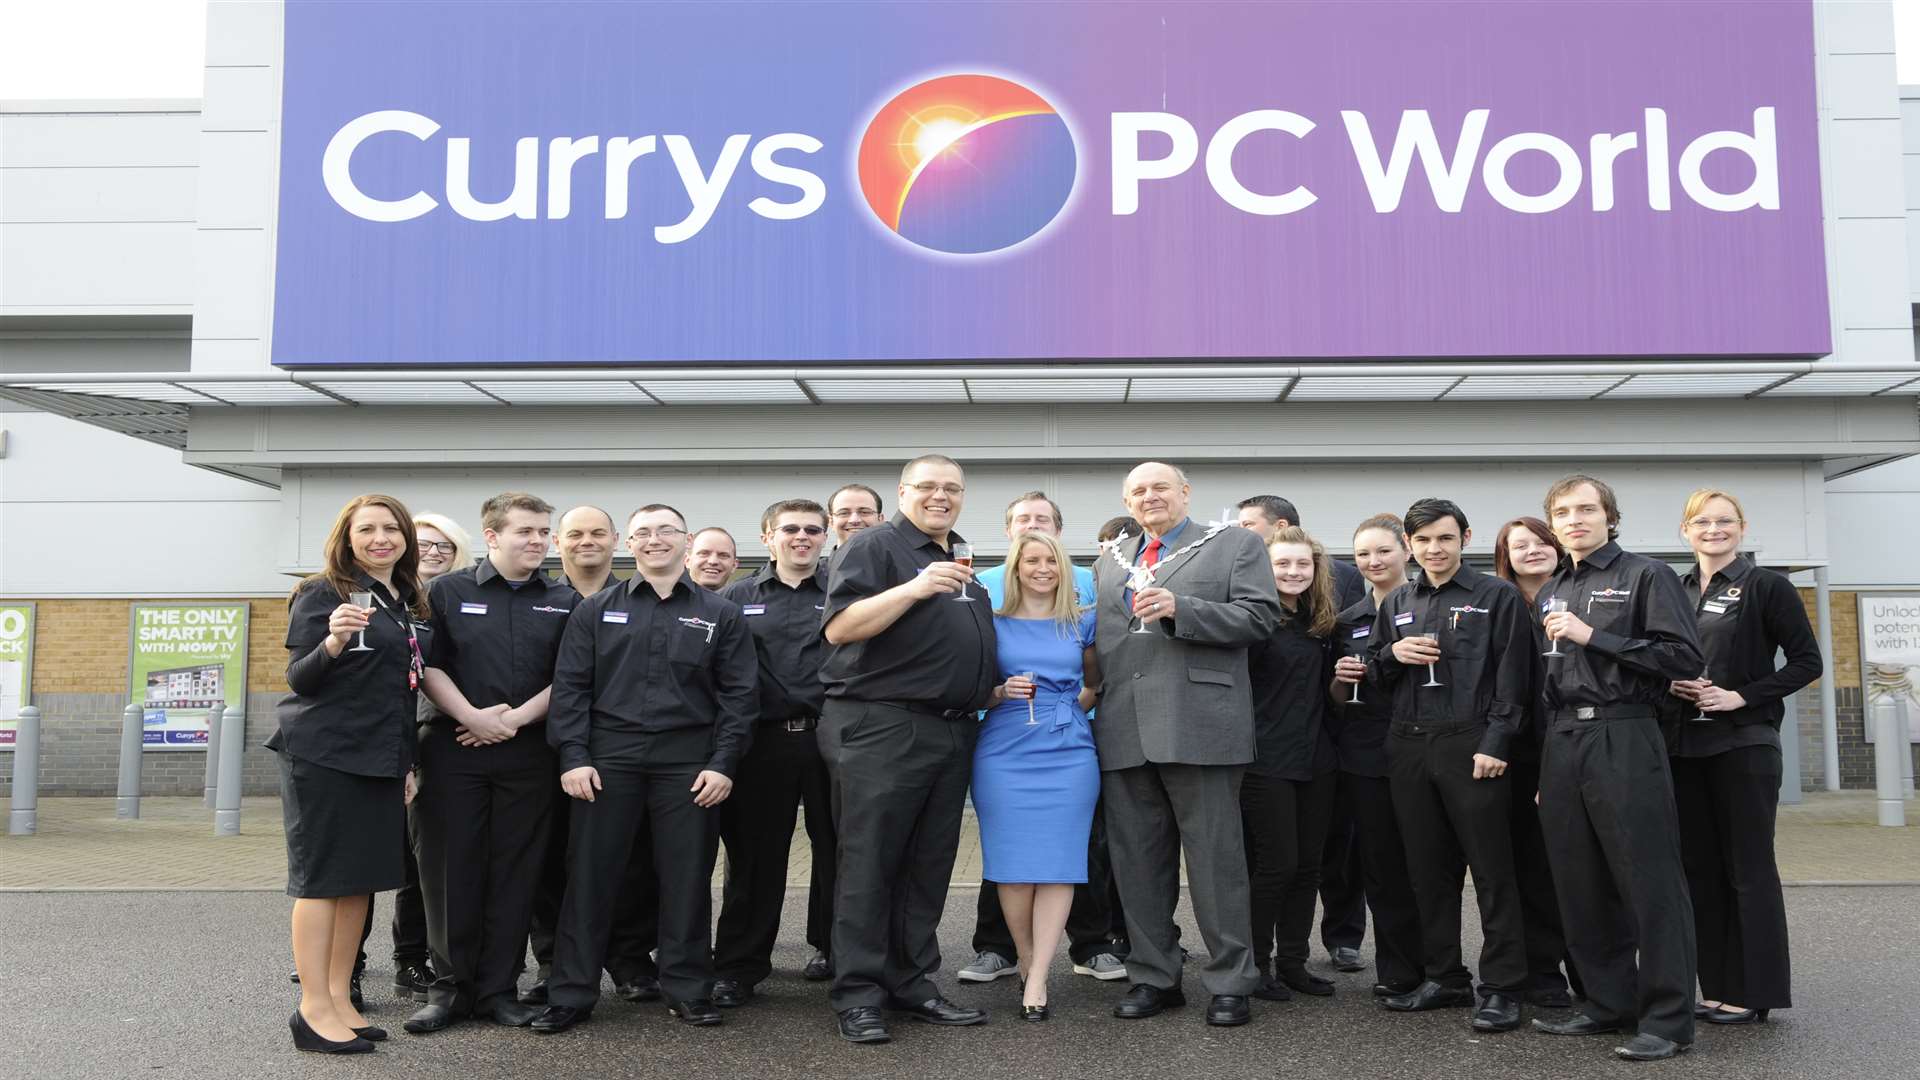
(1289, 672)
(1486, 649)
(1746, 614)
(1349, 584)
(939, 654)
(646, 681)
(1360, 731)
(354, 712)
(575, 586)
(498, 642)
(1644, 636)
(785, 622)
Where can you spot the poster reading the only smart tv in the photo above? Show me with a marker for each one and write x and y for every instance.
(188, 659)
(16, 667)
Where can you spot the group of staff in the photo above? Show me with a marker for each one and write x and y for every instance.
(1594, 737)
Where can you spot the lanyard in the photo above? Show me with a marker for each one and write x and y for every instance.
(416, 665)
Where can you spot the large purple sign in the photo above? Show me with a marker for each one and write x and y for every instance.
(591, 183)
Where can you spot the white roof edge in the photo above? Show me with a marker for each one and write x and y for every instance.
(68, 106)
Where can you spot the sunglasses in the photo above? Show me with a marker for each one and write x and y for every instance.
(796, 530)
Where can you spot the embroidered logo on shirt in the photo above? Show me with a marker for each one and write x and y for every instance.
(753, 609)
(473, 609)
(1731, 594)
(551, 610)
(1468, 609)
(614, 617)
(699, 624)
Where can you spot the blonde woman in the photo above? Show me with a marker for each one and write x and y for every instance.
(444, 545)
(1035, 776)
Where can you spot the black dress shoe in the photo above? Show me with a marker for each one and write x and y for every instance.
(945, 1013)
(700, 1012)
(1228, 1010)
(555, 1019)
(1647, 1046)
(1347, 958)
(1577, 1024)
(1430, 995)
(818, 969)
(863, 1024)
(294, 977)
(410, 981)
(535, 994)
(305, 1038)
(1553, 997)
(1306, 982)
(1272, 989)
(1382, 990)
(502, 1009)
(1744, 1016)
(1035, 1014)
(730, 993)
(1499, 1012)
(639, 988)
(1143, 1001)
(430, 1018)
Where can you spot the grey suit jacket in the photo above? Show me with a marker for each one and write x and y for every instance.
(1180, 695)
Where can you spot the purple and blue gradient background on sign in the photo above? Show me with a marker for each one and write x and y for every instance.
(1186, 276)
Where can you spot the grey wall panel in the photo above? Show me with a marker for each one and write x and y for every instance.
(97, 266)
(96, 140)
(134, 193)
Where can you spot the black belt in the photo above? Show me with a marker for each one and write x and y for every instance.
(1604, 712)
(794, 723)
(1420, 727)
(937, 713)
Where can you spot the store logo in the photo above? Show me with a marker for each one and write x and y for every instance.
(967, 164)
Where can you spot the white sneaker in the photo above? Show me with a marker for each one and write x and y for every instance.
(987, 967)
(1106, 967)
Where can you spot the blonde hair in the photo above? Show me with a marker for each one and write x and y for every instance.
(1066, 605)
(1319, 610)
(447, 527)
(1698, 501)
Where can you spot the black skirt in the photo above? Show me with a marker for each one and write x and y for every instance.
(346, 833)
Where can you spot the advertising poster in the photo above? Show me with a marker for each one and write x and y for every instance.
(1890, 653)
(187, 659)
(16, 666)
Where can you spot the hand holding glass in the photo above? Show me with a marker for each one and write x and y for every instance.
(1355, 699)
(1032, 689)
(362, 600)
(1706, 679)
(1554, 607)
(963, 554)
(1433, 678)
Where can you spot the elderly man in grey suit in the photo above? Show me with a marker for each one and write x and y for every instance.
(1175, 730)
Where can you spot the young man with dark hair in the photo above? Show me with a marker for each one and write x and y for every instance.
(1456, 648)
(1625, 632)
(853, 507)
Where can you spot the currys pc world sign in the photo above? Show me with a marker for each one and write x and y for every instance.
(619, 183)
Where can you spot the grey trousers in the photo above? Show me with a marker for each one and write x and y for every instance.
(1152, 813)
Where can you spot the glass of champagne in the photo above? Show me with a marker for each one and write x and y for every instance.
(1139, 578)
(1355, 699)
(963, 554)
(363, 600)
(1433, 677)
(1702, 717)
(1032, 691)
(1555, 605)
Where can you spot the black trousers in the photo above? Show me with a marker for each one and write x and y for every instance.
(1343, 894)
(1383, 865)
(781, 773)
(636, 911)
(1727, 804)
(1095, 924)
(1449, 822)
(483, 816)
(648, 800)
(899, 787)
(1539, 906)
(1606, 806)
(1285, 825)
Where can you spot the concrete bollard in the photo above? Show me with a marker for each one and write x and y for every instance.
(126, 804)
(24, 816)
(213, 756)
(1906, 742)
(1889, 747)
(231, 749)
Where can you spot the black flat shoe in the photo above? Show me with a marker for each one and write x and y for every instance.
(700, 1012)
(1649, 1047)
(818, 969)
(863, 1024)
(1306, 982)
(1228, 1010)
(1428, 996)
(1143, 1001)
(430, 1018)
(1035, 1014)
(730, 993)
(1578, 1024)
(535, 994)
(557, 1018)
(371, 1033)
(945, 1013)
(305, 1038)
(1383, 990)
(1551, 998)
(502, 1009)
(640, 988)
(1701, 1011)
(1744, 1016)
(1499, 1012)
(1347, 958)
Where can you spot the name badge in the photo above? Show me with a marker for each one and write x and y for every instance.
(1717, 609)
(753, 609)
(1405, 618)
(1362, 632)
(619, 617)
(473, 609)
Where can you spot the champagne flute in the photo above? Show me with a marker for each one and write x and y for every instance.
(1705, 677)
(362, 600)
(1032, 689)
(1433, 677)
(1555, 605)
(1355, 699)
(1138, 578)
(963, 554)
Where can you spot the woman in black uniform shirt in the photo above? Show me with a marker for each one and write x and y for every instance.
(1286, 795)
(1726, 762)
(345, 744)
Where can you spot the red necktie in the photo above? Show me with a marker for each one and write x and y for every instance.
(1152, 554)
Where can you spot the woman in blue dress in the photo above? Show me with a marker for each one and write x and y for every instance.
(1035, 777)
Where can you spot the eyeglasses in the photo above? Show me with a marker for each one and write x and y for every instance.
(855, 511)
(444, 547)
(796, 530)
(664, 532)
(1722, 524)
(928, 487)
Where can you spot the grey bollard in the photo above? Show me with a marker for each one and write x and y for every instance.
(1906, 758)
(24, 817)
(213, 756)
(233, 744)
(126, 804)
(1888, 749)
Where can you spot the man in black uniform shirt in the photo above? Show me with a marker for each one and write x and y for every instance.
(782, 605)
(487, 772)
(1626, 634)
(653, 703)
(1447, 758)
(909, 665)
